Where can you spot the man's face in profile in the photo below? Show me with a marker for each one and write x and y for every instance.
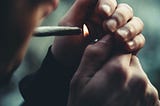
(24, 15)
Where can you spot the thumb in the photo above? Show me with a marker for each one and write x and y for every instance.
(78, 13)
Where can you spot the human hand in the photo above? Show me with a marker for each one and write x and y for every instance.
(19, 18)
(98, 15)
(102, 80)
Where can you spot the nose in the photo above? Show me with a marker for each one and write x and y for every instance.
(55, 4)
(50, 6)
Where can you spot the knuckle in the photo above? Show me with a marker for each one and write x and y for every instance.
(136, 43)
(113, 2)
(140, 82)
(152, 92)
(151, 98)
(155, 92)
(119, 70)
(139, 20)
(125, 11)
(126, 6)
(131, 28)
(117, 74)
(124, 34)
(122, 14)
(139, 41)
(135, 26)
(157, 103)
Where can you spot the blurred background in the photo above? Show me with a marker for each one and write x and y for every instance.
(147, 10)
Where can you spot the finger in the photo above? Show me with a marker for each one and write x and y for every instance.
(81, 7)
(131, 29)
(94, 56)
(107, 7)
(136, 43)
(136, 68)
(120, 17)
(135, 62)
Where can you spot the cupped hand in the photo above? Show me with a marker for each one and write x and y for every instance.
(101, 17)
(104, 80)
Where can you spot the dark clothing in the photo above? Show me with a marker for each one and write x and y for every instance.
(49, 86)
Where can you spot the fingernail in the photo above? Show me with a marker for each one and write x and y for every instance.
(123, 33)
(106, 9)
(131, 45)
(112, 25)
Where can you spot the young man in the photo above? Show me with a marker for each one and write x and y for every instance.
(107, 72)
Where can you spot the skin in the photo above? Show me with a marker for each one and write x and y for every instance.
(104, 80)
(19, 21)
(100, 66)
(98, 19)
(104, 66)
